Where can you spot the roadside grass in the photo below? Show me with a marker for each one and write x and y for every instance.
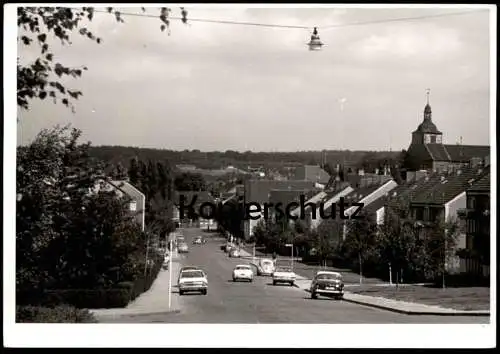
(467, 298)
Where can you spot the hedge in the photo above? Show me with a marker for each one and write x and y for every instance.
(58, 314)
(118, 296)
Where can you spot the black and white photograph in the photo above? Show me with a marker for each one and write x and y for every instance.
(250, 175)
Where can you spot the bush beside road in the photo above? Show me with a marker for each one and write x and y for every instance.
(58, 314)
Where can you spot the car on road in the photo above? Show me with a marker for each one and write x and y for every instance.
(284, 275)
(234, 253)
(326, 283)
(186, 268)
(193, 280)
(265, 267)
(243, 272)
(198, 240)
(183, 247)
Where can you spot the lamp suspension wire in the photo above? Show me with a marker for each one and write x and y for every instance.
(322, 28)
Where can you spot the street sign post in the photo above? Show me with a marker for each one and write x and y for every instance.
(291, 246)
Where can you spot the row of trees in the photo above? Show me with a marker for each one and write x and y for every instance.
(413, 253)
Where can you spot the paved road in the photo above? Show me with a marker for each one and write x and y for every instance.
(261, 302)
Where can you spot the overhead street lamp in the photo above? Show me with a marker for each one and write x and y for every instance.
(315, 42)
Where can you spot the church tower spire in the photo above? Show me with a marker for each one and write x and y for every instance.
(427, 109)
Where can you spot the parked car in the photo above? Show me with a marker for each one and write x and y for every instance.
(235, 253)
(283, 275)
(328, 284)
(198, 240)
(183, 247)
(265, 267)
(193, 280)
(243, 272)
(228, 248)
(166, 261)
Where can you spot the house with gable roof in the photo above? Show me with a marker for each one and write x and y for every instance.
(311, 210)
(137, 199)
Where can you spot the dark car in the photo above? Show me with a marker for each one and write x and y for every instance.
(328, 284)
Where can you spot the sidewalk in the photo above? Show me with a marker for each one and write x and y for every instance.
(154, 300)
(408, 308)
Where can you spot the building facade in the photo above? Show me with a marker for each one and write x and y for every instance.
(427, 151)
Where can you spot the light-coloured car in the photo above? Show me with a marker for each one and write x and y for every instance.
(193, 280)
(235, 253)
(327, 283)
(243, 272)
(187, 268)
(265, 267)
(166, 260)
(198, 240)
(183, 247)
(283, 275)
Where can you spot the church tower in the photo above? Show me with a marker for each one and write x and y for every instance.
(427, 132)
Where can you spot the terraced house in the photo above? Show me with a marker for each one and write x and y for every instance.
(442, 198)
(475, 259)
(310, 213)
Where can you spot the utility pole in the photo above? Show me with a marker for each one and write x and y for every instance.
(170, 276)
(147, 254)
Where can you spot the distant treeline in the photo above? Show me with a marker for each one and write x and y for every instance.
(218, 160)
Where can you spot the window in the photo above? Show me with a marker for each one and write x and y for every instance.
(471, 226)
(433, 213)
(419, 214)
(433, 139)
(471, 203)
(133, 206)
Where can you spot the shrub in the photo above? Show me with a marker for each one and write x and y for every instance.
(116, 297)
(80, 298)
(59, 314)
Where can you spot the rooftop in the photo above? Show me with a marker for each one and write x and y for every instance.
(312, 173)
(447, 187)
(258, 190)
(483, 184)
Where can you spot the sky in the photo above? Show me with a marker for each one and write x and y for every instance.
(224, 87)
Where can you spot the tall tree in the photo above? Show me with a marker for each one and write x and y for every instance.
(152, 178)
(133, 171)
(190, 182)
(360, 240)
(68, 228)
